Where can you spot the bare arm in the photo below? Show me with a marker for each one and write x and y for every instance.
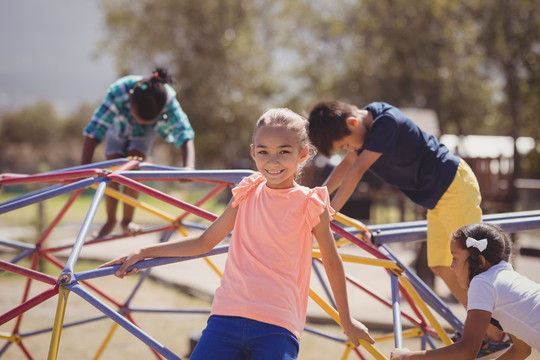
(336, 176)
(336, 276)
(190, 246)
(89, 146)
(352, 176)
(188, 154)
(473, 333)
(518, 350)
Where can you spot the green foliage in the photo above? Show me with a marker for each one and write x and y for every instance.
(476, 63)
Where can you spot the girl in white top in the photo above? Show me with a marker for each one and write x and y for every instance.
(480, 260)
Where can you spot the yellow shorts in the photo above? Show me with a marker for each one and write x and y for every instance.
(459, 206)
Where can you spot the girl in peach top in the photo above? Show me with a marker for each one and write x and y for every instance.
(259, 309)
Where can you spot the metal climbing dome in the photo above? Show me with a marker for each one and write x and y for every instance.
(372, 241)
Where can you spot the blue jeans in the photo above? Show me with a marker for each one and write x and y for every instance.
(114, 144)
(238, 338)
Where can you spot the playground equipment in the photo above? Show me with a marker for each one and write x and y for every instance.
(421, 322)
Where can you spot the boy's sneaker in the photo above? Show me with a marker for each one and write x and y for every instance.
(489, 347)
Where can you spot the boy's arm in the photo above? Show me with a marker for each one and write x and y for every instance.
(190, 246)
(89, 146)
(352, 177)
(336, 276)
(188, 154)
(336, 176)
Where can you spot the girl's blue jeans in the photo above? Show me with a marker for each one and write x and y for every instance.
(238, 338)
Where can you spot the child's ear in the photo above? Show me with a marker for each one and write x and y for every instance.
(303, 154)
(252, 151)
(482, 262)
(352, 121)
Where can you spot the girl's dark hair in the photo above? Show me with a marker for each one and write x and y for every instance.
(498, 247)
(150, 95)
(327, 123)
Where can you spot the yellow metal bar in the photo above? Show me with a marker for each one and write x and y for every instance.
(106, 341)
(350, 222)
(14, 338)
(213, 266)
(423, 307)
(138, 204)
(389, 264)
(334, 315)
(348, 347)
(58, 322)
(406, 333)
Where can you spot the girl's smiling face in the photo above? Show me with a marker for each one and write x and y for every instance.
(277, 153)
(460, 264)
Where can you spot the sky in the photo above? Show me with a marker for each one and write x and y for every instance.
(49, 51)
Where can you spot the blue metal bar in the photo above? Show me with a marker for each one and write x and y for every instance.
(396, 311)
(323, 334)
(122, 321)
(323, 284)
(232, 176)
(47, 194)
(19, 257)
(77, 247)
(32, 193)
(510, 222)
(96, 165)
(427, 294)
(172, 311)
(91, 274)
(65, 325)
(17, 244)
(6, 346)
(143, 277)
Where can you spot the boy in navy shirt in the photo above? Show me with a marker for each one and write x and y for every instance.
(382, 139)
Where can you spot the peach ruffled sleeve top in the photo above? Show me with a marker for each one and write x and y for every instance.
(268, 268)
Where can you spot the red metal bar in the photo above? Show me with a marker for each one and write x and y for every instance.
(365, 246)
(27, 272)
(60, 215)
(108, 238)
(55, 177)
(33, 266)
(61, 265)
(25, 350)
(207, 197)
(29, 304)
(162, 196)
(128, 165)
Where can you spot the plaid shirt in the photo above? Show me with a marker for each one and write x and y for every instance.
(172, 124)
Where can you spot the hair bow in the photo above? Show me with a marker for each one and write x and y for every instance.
(479, 244)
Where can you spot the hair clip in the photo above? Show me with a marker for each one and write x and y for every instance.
(155, 75)
(143, 86)
(479, 244)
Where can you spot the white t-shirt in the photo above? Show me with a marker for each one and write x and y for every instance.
(513, 300)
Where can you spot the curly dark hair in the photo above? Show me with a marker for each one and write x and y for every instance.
(327, 123)
(149, 95)
(498, 248)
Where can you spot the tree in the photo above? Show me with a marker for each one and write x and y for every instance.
(214, 52)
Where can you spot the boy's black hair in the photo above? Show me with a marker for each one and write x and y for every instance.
(150, 95)
(498, 247)
(327, 123)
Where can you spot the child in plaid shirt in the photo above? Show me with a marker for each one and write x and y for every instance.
(133, 111)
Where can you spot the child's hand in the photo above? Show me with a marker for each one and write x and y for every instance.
(356, 331)
(399, 354)
(125, 261)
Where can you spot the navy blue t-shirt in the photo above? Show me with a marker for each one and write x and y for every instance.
(412, 160)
